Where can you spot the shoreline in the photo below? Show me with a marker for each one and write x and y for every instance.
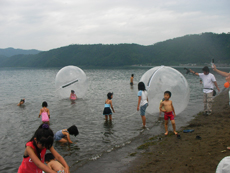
(189, 153)
(159, 153)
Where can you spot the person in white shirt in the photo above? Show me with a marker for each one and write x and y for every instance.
(142, 101)
(209, 81)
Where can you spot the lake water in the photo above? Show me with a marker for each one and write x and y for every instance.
(96, 136)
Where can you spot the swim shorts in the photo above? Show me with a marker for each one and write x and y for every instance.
(143, 108)
(169, 115)
(61, 171)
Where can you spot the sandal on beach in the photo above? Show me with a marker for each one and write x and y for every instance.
(198, 137)
(178, 136)
(188, 131)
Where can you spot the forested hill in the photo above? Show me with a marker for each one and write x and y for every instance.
(197, 49)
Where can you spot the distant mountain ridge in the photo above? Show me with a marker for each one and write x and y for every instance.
(8, 52)
(197, 48)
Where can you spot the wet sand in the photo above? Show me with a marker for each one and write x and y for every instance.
(189, 153)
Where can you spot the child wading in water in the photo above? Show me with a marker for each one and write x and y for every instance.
(53, 164)
(169, 112)
(45, 113)
(131, 79)
(142, 101)
(108, 103)
(34, 154)
(72, 95)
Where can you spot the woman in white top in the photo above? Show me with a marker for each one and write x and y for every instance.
(142, 101)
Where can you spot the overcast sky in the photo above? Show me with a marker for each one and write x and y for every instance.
(49, 24)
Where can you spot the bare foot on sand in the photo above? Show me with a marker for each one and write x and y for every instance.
(175, 132)
(166, 133)
(228, 148)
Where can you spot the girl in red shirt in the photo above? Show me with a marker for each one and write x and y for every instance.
(34, 154)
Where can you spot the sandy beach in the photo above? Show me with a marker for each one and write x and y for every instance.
(198, 151)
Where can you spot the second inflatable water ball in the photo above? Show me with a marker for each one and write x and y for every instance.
(160, 79)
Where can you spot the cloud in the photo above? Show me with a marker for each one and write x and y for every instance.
(50, 24)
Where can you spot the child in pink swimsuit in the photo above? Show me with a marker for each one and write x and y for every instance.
(45, 113)
(72, 95)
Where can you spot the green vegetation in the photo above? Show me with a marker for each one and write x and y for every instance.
(197, 49)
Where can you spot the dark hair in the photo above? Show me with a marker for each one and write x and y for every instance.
(49, 157)
(168, 92)
(73, 130)
(141, 86)
(45, 136)
(205, 69)
(44, 104)
(132, 75)
(72, 91)
(22, 100)
(109, 95)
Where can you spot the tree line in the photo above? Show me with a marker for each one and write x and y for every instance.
(197, 48)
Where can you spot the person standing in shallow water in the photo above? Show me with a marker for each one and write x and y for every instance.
(142, 102)
(131, 79)
(108, 104)
(45, 113)
(209, 81)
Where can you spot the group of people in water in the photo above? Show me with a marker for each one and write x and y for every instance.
(43, 138)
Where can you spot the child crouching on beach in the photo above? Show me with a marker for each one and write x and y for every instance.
(34, 154)
(169, 112)
(53, 164)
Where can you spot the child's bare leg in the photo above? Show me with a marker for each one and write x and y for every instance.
(110, 117)
(166, 127)
(143, 120)
(63, 140)
(106, 117)
(174, 126)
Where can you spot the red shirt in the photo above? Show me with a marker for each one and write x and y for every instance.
(27, 165)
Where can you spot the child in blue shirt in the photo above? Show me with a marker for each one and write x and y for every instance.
(108, 104)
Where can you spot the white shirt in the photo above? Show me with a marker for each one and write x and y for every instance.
(207, 81)
(144, 97)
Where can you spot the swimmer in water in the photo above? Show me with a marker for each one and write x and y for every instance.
(22, 101)
(45, 113)
(72, 95)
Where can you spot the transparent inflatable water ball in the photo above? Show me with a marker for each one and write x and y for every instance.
(71, 78)
(160, 79)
